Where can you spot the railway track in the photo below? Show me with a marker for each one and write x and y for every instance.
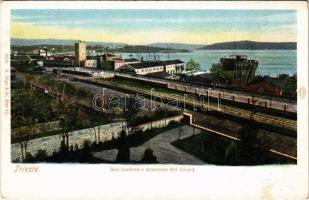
(228, 110)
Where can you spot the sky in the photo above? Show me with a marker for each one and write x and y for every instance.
(151, 26)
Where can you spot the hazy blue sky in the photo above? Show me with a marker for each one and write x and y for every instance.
(149, 26)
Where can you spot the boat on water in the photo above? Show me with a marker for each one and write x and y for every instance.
(239, 70)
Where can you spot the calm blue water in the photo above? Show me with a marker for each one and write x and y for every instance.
(271, 62)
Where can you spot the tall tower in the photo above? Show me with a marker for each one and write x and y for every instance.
(80, 53)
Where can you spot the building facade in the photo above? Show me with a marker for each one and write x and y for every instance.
(41, 52)
(91, 63)
(80, 53)
(59, 61)
(143, 68)
(120, 62)
(174, 66)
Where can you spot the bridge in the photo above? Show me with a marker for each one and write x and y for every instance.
(277, 148)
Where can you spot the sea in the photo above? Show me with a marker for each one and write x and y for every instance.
(271, 62)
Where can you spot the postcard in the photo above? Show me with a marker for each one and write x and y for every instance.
(154, 100)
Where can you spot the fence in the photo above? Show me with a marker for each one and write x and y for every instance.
(235, 97)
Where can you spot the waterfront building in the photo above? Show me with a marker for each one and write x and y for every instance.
(143, 68)
(265, 86)
(283, 85)
(80, 53)
(173, 66)
(120, 62)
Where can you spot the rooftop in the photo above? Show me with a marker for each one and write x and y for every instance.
(170, 62)
(155, 63)
(131, 60)
(146, 65)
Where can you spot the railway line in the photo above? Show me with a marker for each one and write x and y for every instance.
(273, 103)
(211, 106)
(258, 100)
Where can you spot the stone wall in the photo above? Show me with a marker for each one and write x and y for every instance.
(52, 143)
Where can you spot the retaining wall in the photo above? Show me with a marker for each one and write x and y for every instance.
(52, 143)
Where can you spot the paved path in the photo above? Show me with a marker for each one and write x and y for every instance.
(165, 152)
(109, 155)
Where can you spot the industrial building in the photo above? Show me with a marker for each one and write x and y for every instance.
(41, 52)
(59, 61)
(143, 68)
(174, 66)
(120, 62)
(80, 53)
(108, 57)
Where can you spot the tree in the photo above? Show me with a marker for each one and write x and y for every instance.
(129, 111)
(192, 65)
(41, 155)
(149, 157)
(95, 124)
(123, 148)
(28, 108)
(63, 109)
(86, 152)
(217, 73)
(106, 65)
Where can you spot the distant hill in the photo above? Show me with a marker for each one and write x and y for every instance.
(148, 49)
(60, 46)
(251, 45)
(68, 45)
(33, 42)
(177, 46)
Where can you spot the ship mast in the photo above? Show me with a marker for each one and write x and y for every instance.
(149, 57)
(168, 52)
(131, 55)
(233, 46)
